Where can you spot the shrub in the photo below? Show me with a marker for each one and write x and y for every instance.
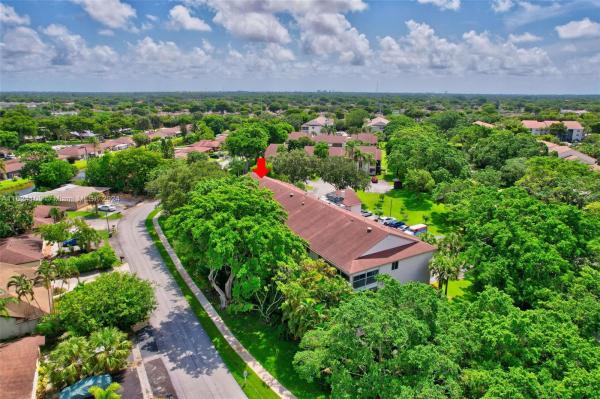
(112, 300)
(101, 259)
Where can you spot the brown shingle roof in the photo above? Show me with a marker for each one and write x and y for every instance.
(41, 214)
(22, 356)
(367, 138)
(20, 249)
(339, 236)
(13, 165)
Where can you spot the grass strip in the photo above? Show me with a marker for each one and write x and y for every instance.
(253, 386)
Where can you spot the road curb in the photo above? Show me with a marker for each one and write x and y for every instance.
(242, 352)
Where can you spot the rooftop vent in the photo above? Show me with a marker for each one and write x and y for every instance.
(291, 194)
(302, 202)
(369, 229)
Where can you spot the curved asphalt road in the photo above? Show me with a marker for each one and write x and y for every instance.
(194, 365)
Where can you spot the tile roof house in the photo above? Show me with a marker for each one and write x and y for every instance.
(574, 129)
(316, 125)
(21, 250)
(13, 169)
(18, 381)
(70, 196)
(41, 214)
(358, 247)
(377, 124)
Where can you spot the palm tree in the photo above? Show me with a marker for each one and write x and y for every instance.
(109, 393)
(56, 214)
(71, 362)
(351, 147)
(44, 277)
(23, 288)
(5, 300)
(96, 199)
(444, 267)
(110, 349)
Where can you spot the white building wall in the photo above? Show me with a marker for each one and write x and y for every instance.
(578, 134)
(388, 242)
(415, 268)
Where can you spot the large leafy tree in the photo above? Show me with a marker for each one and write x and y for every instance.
(173, 181)
(112, 300)
(497, 148)
(54, 173)
(311, 290)
(343, 172)
(382, 345)
(248, 142)
(34, 156)
(522, 245)
(236, 231)
(16, 217)
(356, 118)
(9, 139)
(296, 165)
(552, 179)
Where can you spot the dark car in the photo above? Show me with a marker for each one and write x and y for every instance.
(70, 243)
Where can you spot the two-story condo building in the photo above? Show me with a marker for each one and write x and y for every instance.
(358, 247)
(377, 124)
(574, 129)
(316, 125)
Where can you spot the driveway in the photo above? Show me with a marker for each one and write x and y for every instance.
(194, 366)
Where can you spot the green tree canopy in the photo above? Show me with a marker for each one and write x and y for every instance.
(236, 232)
(54, 173)
(342, 172)
(295, 165)
(16, 217)
(497, 148)
(248, 142)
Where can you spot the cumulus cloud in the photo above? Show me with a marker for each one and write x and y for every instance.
(112, 13)
(524, 38)
(9, 16)
(324, 30)
(500, 6)
(422, 51)
(22, 49)
(151, 17)
(443, 4)
(165, 57)
(180, 18)
(106, 32)
(579, 29)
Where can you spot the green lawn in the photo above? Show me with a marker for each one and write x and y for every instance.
(265, 342)
(456, 288)
(92, 215)
(407, 206)
(12, 185)
(253, 387)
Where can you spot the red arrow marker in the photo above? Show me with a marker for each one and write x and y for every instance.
(261, 167)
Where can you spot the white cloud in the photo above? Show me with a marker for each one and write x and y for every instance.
(71, 50)
(207, 46)
(324, 30)
(9, 16)
(500, 6)
(279, 53)
(180, 18)
(151, 17)
(112, 13)
(22, 49)
(443, 4)
(579, 29)
(524, 38)
(423, 52)
(325, 34)
(106, 32)
(165, 57)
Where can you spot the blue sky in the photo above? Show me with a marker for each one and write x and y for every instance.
(485, 46)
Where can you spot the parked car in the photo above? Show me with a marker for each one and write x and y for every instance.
(107, 208)
(365, 213)
(70, 243)
(374, 179)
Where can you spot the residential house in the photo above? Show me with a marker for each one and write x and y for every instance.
(120, 143)
(25, 250)
(574, 129)
(41, 214)
(316, 125)
(166, 132)
(377, 124)
(12, 168)
(23, 314)
(358, 247)
(70, 196)
(19, 380)
(568, 153)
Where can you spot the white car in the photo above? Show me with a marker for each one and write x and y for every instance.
(107, 208)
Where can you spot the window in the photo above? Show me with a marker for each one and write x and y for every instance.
(364, 279)
(395, 265)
